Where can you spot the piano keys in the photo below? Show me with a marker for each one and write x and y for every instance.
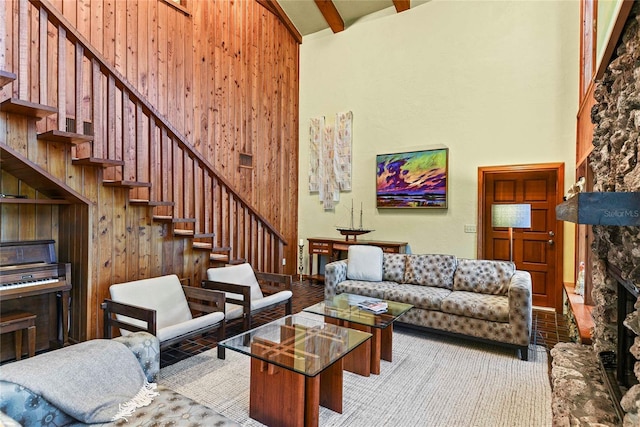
(31, 279)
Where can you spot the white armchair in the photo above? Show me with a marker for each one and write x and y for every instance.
(248, 292)
(163, 307)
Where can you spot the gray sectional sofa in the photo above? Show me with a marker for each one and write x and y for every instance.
(481, 299)
(22, 406)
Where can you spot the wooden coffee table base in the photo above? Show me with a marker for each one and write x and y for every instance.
(365, 360)
(285, 398)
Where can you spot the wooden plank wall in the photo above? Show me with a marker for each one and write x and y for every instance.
(224, 74)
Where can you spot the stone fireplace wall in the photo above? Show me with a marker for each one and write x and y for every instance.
(614, 161)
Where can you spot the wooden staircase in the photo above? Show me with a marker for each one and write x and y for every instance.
(113, 127)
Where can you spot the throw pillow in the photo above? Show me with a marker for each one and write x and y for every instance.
(430, 270)
(484, 276)
(364, 263)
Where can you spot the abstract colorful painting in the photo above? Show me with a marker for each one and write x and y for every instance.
(416, 179)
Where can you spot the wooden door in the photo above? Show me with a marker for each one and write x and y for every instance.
(538, 249)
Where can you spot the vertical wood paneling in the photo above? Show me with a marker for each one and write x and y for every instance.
(33, 55)
(23, 49)
(120, 40)
(152, 58)
(96, 26)
(3, 34)
(225, 77)
(14, 43)
(109, 25)
(62, 78)
(142, 46)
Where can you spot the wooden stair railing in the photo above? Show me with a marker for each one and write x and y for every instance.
(134, 143)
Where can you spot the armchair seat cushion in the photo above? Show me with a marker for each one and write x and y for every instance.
(189, 326)
(234, 311)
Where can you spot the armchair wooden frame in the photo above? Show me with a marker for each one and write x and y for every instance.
(200, 301)
(270, 283)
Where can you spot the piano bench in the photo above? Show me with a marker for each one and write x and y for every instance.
(16, 321)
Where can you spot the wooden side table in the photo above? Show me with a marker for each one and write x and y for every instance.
(16, 321)
(331, 248)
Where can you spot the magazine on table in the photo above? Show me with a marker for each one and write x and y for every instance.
(374, 305)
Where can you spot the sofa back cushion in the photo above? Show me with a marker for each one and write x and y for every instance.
(393, 266)
(430, 270)
(483, 276)
(364, 263)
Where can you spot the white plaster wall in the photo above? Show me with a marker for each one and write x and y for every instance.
(494, 81)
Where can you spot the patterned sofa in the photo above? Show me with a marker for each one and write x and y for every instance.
(20, 406)
(482, 299)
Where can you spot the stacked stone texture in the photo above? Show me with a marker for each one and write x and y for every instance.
(580, 397)
(614, 161)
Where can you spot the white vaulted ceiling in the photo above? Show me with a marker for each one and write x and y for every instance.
(306, 17)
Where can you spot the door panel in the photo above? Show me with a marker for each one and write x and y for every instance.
(534, 248)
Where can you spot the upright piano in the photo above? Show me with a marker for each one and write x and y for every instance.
(32, 280)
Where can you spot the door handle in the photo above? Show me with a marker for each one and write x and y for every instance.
(551, 234)
(550, 241)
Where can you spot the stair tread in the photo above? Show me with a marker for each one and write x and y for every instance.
(6, 77)
(182, 232)
(150, 202)
(122, 183)
(97, 162)
(27, 108)
(201, 245)
(168, 218)
(204, 235)
(64, 137)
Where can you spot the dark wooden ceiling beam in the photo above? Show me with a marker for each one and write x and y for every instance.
(331, 15)
(402, 5)
(273, 7)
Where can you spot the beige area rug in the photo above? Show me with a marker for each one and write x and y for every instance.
(432, 381)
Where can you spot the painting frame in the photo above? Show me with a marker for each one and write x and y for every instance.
(415, 179)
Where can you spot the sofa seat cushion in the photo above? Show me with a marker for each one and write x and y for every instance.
(173, 409)
(361, 287)
(483, 276)
(426, 297)
(430, 270)
(494, 308)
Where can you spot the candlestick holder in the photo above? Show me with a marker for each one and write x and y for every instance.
(300, 258)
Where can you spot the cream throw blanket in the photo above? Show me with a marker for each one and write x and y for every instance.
(95, 381)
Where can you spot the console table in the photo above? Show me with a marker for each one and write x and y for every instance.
(331, 247)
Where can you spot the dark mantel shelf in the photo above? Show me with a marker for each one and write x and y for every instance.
(601, 208)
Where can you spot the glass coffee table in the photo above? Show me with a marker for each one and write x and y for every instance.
(343, 310)
(296, 366)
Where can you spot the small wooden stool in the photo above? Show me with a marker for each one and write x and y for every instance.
(16, 321)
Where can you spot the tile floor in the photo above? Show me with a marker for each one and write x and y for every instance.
(549, 328)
